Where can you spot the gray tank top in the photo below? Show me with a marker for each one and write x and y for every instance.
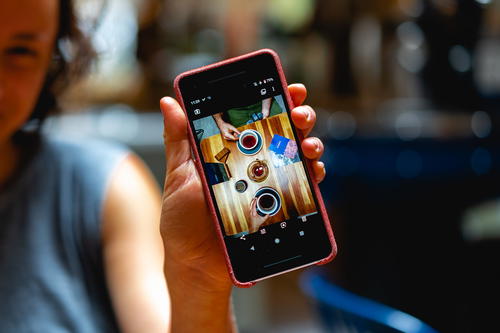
(51, 267)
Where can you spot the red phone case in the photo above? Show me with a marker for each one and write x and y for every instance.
(206, 190)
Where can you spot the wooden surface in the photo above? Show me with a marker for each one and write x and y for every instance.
(290, 181)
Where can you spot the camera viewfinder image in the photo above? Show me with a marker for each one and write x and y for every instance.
(253, 166)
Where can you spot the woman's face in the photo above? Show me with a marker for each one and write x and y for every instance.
(28, 30)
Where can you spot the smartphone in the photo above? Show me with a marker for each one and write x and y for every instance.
(267, 208)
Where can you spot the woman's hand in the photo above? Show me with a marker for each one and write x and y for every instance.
(194, 262)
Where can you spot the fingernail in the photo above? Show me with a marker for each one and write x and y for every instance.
(317, 145)
(164, 100)
(322, 167)
(307, 114)
(168, 101)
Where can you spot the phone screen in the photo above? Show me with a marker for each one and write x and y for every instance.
(253, 164)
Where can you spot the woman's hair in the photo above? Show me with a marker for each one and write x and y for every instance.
(72, 56)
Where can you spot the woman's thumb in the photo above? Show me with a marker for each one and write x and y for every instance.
(175, 133)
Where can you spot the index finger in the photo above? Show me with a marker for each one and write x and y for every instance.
(253, 203)
(253, 209)
(234, 129)
(298, 92)
(230, 136)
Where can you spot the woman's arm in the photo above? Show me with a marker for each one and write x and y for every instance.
(135, 266)
(266, 107)
(133, 249)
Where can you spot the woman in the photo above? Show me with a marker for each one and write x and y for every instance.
(80, 249)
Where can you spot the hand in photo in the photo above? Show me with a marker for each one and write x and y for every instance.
(266, 107)
(228, 131)
(256, 220)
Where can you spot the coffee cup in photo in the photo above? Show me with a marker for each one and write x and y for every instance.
(266, 203)
(241, 186)
(248, 139)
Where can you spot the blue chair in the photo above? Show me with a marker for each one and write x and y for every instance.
(344, 312)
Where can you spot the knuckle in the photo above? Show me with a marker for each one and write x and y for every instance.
(318, 142)
(312, 113)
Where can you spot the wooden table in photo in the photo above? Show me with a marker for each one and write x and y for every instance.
(289, 181)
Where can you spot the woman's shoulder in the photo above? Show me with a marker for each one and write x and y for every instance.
(80, 164)
(83, 148)
(82, 170)
(88, 155)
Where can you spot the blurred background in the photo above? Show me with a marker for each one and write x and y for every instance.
(407, 94)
